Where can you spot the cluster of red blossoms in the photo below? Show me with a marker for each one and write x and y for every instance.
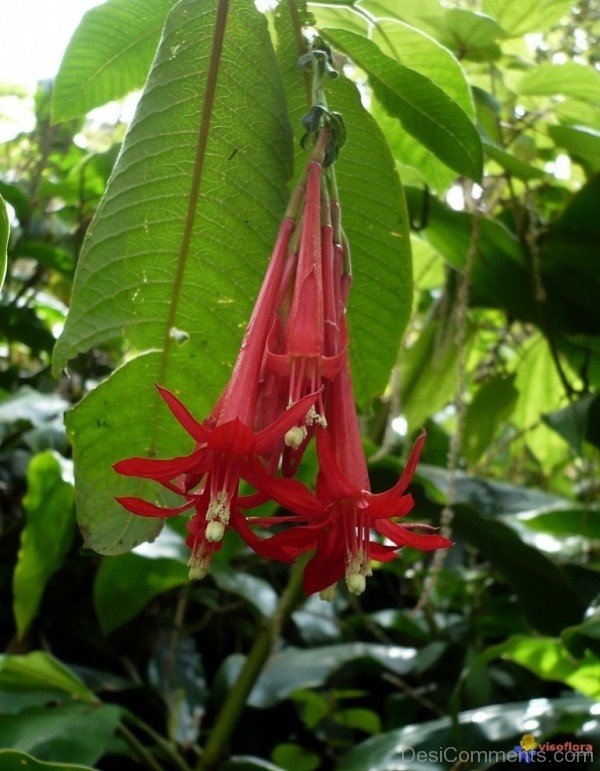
(291, 382)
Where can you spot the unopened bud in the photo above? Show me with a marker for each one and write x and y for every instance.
(356, 583)
(214, 531)
(328, 594)
(198, 572)
(295, 436)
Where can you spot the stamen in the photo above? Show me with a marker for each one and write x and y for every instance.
(295, 436)
(357, 570)
(217, 517)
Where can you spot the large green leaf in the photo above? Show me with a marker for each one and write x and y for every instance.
(39, 671)
(569, 79)
(98, 430)
(109, 55)
(470, 35)
(497, 727)
(411, 48)
(374, 218)
(165, 269)
(4, 231)
(139, 275)
(75, 733)
(48, 534)
(520, 16)
(425, 111)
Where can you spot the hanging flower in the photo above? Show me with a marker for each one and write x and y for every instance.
(226, 444)
(343, 536)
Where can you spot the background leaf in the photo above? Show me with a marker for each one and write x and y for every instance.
(569, 79)
(520, 16)
(498, 727)
(109, 55)
(48, 534)
(4, 232)
(41, 671)
(62, 731)
(126, 584)
(426, 113)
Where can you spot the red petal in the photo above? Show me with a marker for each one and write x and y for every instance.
(183, 416)
(232, 438)
(387, 506)
(331, 366)
(337, 484)
(287, 492)
(262, 546)
(266, 438)
(328, 564)
(403, 537)
(252, 501)
(145, 509)
(409, 469)
(280, 364)
(382, 553)
(155, 468)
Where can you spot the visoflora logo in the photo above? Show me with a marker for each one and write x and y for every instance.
(530, 751)
(527, 748)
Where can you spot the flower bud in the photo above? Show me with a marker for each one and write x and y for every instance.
(214, 531)
(356, 583)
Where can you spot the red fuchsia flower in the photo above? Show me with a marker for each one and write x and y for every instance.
(297, 356)
(343, 536)
(226, 444)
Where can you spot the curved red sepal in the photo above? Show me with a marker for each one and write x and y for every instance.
(183, 416)
(145, 509)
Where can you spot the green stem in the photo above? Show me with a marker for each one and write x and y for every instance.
(227, 719)
(165, 746)
(139, 749)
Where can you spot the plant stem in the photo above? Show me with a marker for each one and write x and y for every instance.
(139, 748)
(167, 748)
(227, 719)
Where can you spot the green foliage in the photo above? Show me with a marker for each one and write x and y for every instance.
(48, 534)
(424, 110)
(40, 671)
(108, 56)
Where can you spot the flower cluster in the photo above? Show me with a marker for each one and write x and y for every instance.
(291, 383)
